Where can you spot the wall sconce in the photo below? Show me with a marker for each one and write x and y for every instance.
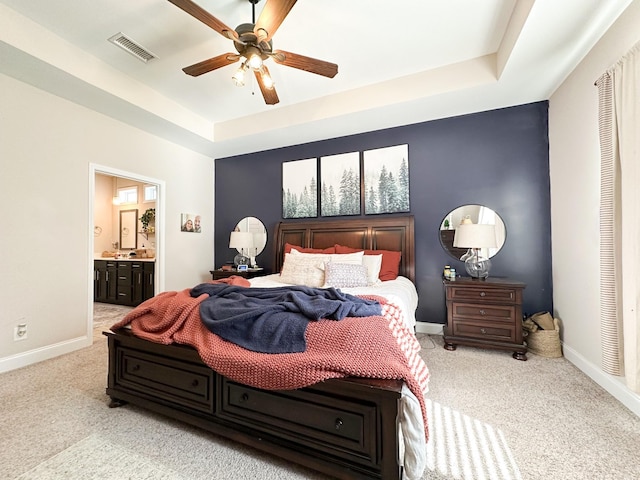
(476, 237)
(242, 241)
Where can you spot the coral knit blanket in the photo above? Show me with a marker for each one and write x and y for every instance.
(379, 347)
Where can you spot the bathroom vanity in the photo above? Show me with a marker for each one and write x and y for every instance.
(123, 281)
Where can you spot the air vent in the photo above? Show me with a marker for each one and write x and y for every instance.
(128, 45)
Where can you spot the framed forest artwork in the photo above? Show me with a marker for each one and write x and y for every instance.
(300, 188)
(340, 184)
(386, 180)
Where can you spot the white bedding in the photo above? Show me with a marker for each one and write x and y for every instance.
(402, 292)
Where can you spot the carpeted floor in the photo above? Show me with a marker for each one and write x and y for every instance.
(81, 459)
(491, 417)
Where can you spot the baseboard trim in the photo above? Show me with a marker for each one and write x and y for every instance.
(429, 328)
(614, 385)
(36, 355)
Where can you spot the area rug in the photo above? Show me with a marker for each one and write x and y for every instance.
(105, 315)
(98, 458)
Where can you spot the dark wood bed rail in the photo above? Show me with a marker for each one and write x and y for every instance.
(370, 233)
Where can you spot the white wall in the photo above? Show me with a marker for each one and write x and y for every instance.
(575, 191)
(46, 147)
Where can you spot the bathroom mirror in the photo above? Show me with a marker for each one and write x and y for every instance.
(129, 229)
(476, 214)
(255, 226)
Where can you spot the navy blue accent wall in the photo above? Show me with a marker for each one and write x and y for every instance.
(498, 158)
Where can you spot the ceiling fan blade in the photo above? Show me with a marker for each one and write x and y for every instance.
(205, 17)
(207, 66)
(308, 64)
(269, 94)
(272, 15)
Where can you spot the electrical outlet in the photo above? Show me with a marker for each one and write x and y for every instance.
(20, 332)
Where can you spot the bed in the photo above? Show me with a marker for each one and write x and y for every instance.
(347, 426)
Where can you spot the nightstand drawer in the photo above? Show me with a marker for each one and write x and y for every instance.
(497, 313)
(499, 295)
(485, 331)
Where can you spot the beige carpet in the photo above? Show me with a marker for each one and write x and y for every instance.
(491, 417)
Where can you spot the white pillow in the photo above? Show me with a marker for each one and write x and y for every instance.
(345, 275)
(303, 270)
(373, 264)
(351, 258)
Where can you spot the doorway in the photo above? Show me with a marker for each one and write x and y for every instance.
(105, 231)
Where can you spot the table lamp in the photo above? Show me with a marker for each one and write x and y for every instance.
(241, 241)
(476, 237)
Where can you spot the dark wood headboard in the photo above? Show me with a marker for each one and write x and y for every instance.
(370, 233)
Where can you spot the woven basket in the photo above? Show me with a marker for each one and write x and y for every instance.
(545, 343)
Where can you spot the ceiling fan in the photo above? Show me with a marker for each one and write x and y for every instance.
(254, 44)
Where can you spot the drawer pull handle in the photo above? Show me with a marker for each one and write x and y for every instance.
(483, 312)
(482, 294)
(245, 397)
(195, 383)
(136, 368)
(339, 423)
(483, 331)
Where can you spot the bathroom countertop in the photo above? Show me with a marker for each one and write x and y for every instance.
(125, 259)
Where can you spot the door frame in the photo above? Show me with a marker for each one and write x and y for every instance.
(159, 223)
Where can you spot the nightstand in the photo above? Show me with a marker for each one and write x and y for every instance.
(250, 273)
(485, 313)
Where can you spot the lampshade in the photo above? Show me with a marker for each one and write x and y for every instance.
(241, 240)
(475, 237)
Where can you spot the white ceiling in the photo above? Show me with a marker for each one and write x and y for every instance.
(400, 62)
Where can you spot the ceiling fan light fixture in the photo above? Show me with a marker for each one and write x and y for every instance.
(238, 77)
(255, 61)
(254, 57)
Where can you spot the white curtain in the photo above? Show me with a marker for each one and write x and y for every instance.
(619, 122)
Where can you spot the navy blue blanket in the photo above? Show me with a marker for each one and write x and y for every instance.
(274, 320)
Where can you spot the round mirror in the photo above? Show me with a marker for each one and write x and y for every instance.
(255, 227)
(475, 214)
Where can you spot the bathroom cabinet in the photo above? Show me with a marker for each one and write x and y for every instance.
(124, 282)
